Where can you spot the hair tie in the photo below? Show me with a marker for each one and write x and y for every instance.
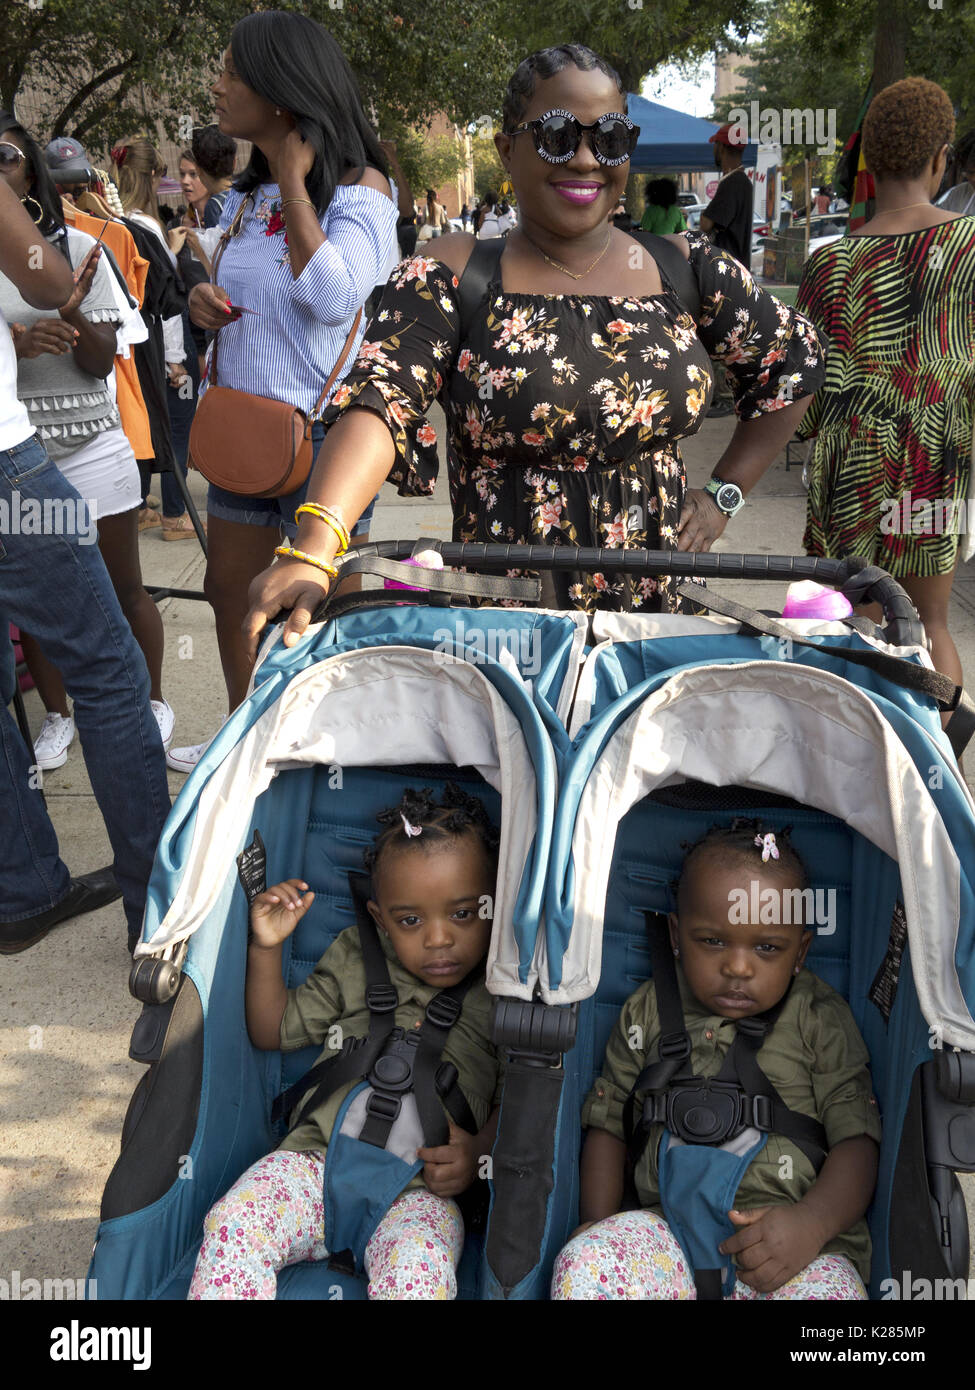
(767, 845)
(118, 155)
(411, 830)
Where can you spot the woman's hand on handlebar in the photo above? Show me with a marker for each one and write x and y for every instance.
(286, 584)
(701, 521)
(209, 306)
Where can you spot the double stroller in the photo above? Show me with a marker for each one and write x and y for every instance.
(599, 744)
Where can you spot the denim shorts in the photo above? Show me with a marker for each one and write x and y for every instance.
(275, 511)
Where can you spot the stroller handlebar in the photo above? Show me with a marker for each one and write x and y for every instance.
(859, 581)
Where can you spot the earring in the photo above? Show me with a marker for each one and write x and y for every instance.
(277, 111)
(40, 211)
(676, 950)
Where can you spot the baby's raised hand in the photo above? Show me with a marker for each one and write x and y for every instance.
(277, 911)
(772, 1244)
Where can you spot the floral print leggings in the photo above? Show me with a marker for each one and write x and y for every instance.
(633, 1255)
(274, 1216)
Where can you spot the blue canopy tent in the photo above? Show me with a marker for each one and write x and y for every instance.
(672, 142)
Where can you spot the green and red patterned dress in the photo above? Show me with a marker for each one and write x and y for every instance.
(893, 423)
(565, 412)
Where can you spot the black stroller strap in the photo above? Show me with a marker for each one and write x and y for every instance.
(443, 1011)
(938, 687)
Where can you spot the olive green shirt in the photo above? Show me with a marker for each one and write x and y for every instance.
(813, 1056)
(330, 1006)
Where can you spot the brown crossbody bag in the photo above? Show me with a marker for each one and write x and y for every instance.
(249, 444)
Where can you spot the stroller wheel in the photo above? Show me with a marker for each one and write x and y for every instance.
(153, 981)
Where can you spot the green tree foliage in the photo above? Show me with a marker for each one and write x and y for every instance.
(820, 54)
(635, 36)
(99, 69)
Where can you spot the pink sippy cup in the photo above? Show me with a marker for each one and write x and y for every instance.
(427, 559)
(809, 600)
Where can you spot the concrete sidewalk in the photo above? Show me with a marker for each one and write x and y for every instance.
(65, 1011)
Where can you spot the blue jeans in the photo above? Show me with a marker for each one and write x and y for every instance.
(55, 586)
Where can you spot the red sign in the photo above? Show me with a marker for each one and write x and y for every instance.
(711, 187)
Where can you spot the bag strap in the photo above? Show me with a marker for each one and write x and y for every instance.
(316, 413)
(226, 236)
(480, 270)
(937, 687)
(484, 261)
(676, 272)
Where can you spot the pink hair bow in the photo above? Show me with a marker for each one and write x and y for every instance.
(767, 845)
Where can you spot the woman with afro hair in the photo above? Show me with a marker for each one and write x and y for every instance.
(893, 424)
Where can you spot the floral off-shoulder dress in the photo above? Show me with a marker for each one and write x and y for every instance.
(565, 412)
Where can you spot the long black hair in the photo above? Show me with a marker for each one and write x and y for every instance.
(294, 63)
(44, 190)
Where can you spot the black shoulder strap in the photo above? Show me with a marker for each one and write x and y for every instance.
(481, 268)
(442, 1013)
(674, 1044)
(675, 271)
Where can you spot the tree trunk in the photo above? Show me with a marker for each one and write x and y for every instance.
(890, 40)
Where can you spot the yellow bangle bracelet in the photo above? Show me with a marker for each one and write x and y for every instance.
(330, 519)
(288, 552)
(307, 201)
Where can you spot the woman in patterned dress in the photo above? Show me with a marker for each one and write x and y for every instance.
(893, 425)
(574, 382)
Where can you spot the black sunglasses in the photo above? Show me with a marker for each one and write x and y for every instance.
(557, 136)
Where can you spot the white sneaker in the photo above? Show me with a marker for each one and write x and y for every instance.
(186, 759)
(166, 720)
(52, 743)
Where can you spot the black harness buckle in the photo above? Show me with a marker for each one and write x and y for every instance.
(706, 1112)
(383, 1107)
(753, 1030)
(674, 1047)
(762, 1113)
(381, 999)
(442, 1011)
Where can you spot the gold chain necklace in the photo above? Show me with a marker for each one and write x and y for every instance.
(565, 269)
(927, 203)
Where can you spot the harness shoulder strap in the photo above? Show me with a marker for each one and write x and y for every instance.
(481, 268)
(431, 1081)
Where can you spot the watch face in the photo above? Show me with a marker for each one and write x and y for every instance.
(729, 497)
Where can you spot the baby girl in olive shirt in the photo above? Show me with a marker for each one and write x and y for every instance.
(791, 1233)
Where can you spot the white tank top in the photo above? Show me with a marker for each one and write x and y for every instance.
(15, 426)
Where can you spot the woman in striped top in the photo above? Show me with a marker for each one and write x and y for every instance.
(314, 239)
(893, 424)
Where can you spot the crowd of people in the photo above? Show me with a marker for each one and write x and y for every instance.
(599, 372)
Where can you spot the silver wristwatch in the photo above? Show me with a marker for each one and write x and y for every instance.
(728, 497)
